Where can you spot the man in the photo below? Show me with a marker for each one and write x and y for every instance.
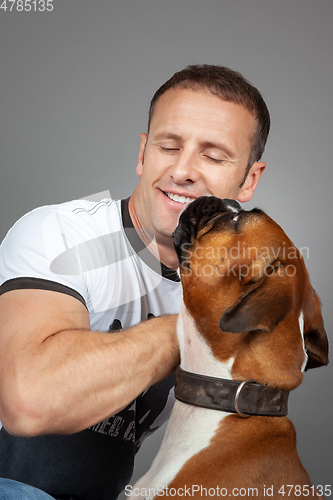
(76, 401)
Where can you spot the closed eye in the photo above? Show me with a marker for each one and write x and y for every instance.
(167, 150)
(273, 267)
(214, 160)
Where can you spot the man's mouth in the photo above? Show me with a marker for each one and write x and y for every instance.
(179, 198)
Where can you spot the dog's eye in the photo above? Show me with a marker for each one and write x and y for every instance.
(271, 268)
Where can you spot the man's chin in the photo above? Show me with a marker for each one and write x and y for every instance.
(164, 234)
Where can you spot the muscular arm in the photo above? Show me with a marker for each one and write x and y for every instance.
(56, 376)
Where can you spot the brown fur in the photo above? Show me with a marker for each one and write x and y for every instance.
(249, 309)
(259, 453)
(251, 314)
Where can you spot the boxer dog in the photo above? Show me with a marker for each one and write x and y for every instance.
(249, 325)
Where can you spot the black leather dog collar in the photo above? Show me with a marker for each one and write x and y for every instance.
(244, 398)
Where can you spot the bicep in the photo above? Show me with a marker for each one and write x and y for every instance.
(29, 317)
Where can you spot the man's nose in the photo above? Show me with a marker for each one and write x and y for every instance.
(185, 168)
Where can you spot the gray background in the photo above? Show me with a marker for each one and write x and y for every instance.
(74, 93)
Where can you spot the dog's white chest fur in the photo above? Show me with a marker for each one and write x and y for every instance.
(186, 421)
(196, 355)
(177, 447)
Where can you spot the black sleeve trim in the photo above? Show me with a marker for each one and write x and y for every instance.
(29, 283)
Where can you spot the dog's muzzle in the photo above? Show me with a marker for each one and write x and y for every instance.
(199, 214)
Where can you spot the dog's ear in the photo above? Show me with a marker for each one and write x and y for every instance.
(315, 337)
(261, 307)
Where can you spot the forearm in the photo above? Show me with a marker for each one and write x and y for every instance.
(77, 378)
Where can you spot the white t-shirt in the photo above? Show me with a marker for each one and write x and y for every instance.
(91, 251)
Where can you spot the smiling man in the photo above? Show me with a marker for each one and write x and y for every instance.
(85, 377)
(198, 144)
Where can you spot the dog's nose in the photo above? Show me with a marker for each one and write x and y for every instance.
(197, 215)
(232, 205)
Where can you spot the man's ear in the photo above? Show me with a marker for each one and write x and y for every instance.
(251, 181)
(141, 154)
(261, 307)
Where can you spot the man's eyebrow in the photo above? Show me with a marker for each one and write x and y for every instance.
(167, 135)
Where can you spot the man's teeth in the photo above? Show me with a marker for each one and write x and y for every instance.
(180, 199)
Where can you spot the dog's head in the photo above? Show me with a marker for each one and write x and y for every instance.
(247, 288)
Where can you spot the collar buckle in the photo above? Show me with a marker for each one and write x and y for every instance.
(238, 393)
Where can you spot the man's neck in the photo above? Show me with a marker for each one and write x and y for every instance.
(163, 251)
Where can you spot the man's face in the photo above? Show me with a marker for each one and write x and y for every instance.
(198, 145)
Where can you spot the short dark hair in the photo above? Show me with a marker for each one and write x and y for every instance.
(230, 86)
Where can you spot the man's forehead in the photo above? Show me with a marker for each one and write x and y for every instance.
(186, 103)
